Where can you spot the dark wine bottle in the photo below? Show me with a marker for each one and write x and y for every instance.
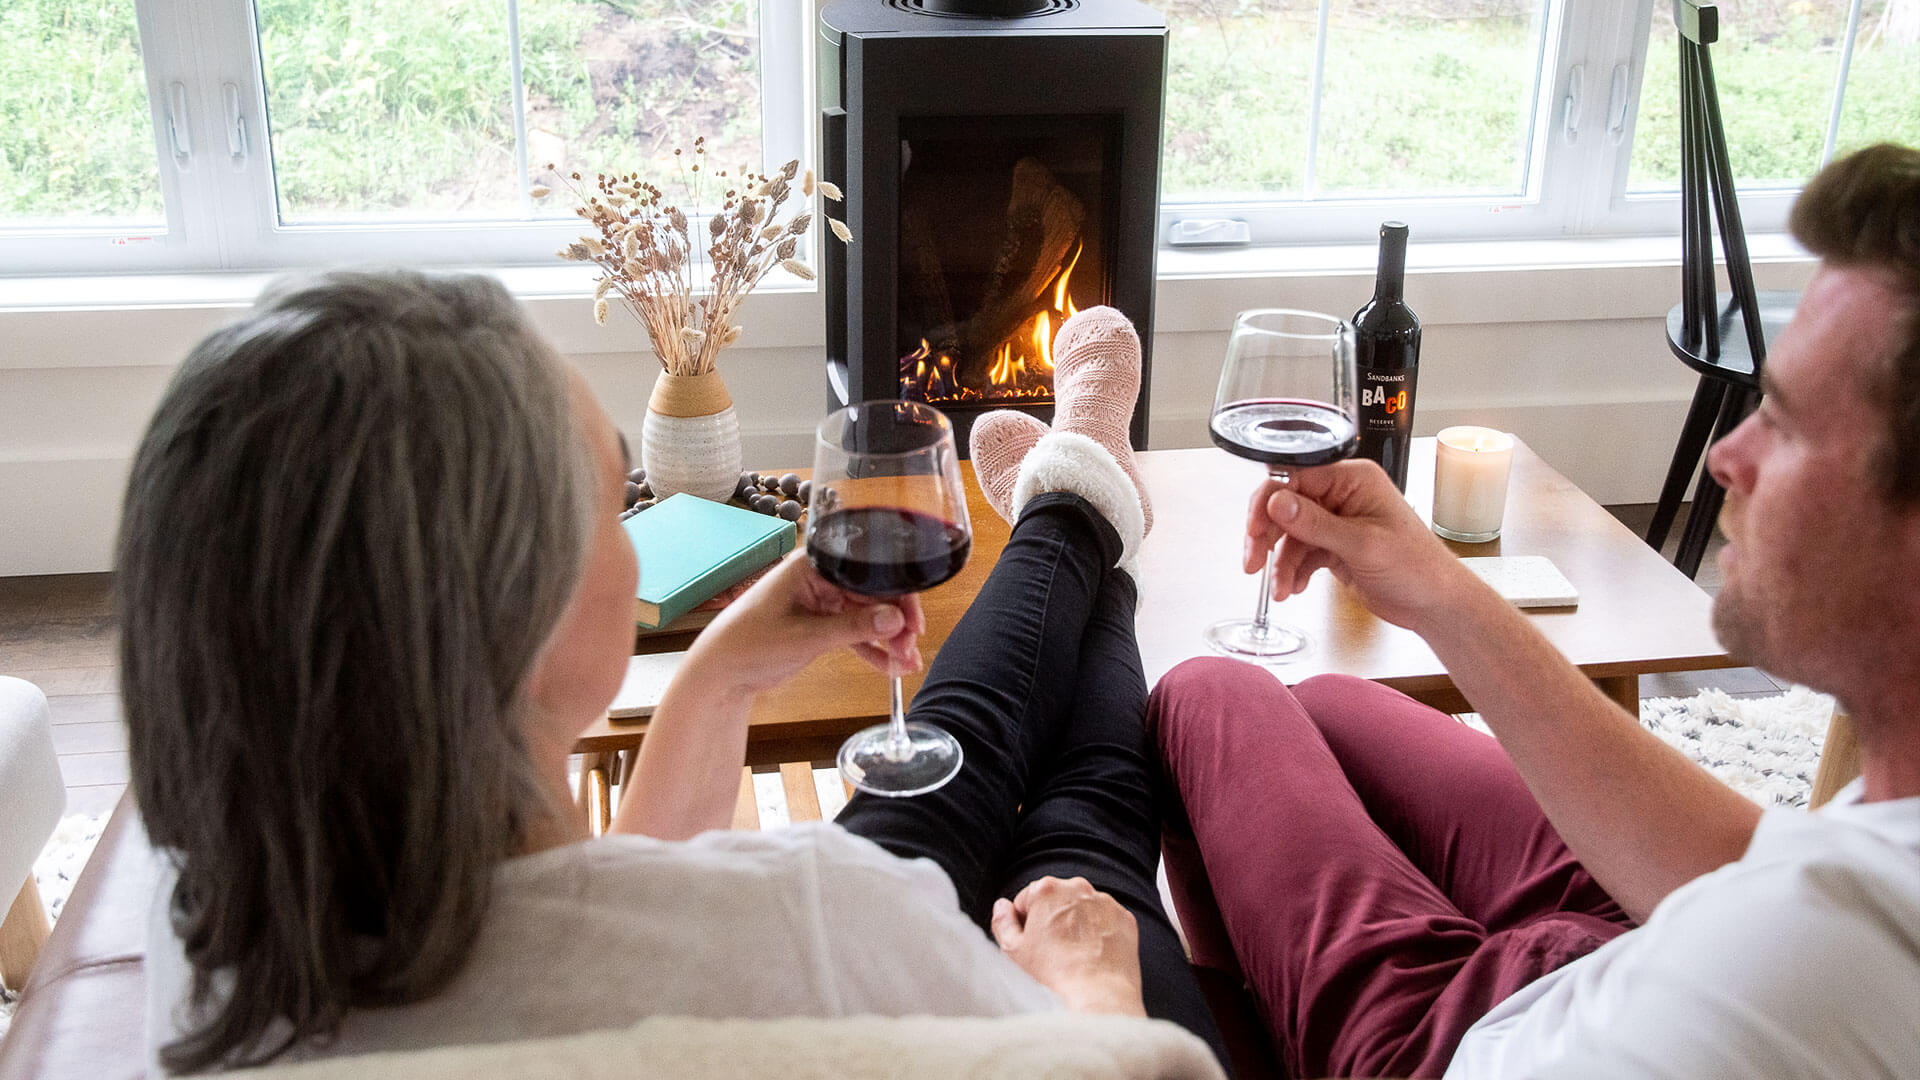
(1388, 339)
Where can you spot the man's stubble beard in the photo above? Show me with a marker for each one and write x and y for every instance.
(1734, 624)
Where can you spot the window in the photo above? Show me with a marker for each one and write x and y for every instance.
(76, 144)
(151, 134)
(163, 134)
(1792, 93)
(450, 111)
(1351, 99)
(1488, 118)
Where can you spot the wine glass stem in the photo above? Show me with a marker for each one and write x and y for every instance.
(899, 747)
(1266, 570)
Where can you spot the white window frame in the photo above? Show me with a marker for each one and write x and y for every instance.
(204, 80)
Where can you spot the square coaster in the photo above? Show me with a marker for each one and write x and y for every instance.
(1528, 581)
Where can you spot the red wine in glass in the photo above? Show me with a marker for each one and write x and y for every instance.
(887, 551)
(1292, 434)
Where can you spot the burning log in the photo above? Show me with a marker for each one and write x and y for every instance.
(923, 282)
(1043, 225)
(1039, 244)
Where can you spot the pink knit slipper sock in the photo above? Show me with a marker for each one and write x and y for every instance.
(1096, 380)
(998, 443)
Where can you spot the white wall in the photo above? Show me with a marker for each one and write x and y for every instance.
(1570, 356)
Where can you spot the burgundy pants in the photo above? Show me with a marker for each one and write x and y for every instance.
(1376, 870)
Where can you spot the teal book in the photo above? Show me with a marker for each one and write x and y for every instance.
(691, 549)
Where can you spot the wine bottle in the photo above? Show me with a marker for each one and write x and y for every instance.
(1387, 336)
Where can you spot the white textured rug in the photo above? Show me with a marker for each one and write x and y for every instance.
(65, 856)
(1766, 748)
(55, 871)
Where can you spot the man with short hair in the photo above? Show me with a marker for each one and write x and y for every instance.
(1408, 898)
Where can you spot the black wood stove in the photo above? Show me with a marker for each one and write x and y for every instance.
(1001, 166)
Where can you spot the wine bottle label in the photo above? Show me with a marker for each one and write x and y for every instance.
(1386, 419)
(1391, 397)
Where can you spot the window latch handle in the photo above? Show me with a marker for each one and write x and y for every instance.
(236, 123)
(177, 129)
(1210, 232)
(1570, 105)
(1617, 106)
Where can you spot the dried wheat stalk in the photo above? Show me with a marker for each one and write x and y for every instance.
(643, 245)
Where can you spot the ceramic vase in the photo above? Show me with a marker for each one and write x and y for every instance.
(690, 440)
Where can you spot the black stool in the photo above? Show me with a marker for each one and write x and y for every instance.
(1723, 336)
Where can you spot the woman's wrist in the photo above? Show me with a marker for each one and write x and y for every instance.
(1111, 996)
(720, 667)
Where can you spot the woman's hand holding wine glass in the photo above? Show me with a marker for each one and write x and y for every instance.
(687, 775)
(792, 616)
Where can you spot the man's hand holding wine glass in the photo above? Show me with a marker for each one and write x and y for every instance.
(1349, 518)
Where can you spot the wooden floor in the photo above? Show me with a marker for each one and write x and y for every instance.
(57, 633)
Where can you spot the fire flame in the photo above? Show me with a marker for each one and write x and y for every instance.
(1021, 367)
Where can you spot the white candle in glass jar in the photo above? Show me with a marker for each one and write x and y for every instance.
(1470, 467)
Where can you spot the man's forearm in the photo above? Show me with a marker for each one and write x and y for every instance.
(1640, 816)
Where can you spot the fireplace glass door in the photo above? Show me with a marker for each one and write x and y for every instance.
(1005, 231)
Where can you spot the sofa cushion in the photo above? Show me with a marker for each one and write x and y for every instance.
(1061, 1046)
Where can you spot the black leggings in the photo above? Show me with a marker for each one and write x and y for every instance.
(1041, 683)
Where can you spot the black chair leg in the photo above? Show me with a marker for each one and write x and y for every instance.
(1686, 457)
(1708, 497)
(1701, 519)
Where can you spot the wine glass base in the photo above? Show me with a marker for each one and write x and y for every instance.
(933, 758)
(1271, 644)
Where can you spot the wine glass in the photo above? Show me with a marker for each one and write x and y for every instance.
(1286, 399)
(888, 516)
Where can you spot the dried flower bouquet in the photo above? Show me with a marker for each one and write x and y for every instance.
(643, 246)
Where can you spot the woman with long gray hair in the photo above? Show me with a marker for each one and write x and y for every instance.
(371, 587)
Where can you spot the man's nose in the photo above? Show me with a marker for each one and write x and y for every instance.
(1725, 457)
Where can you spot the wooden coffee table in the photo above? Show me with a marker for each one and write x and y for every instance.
(1637, 614)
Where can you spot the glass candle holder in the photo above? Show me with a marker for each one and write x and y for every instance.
(1470, 468)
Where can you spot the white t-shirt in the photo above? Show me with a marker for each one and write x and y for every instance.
(1802, 959)
(803, 921)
